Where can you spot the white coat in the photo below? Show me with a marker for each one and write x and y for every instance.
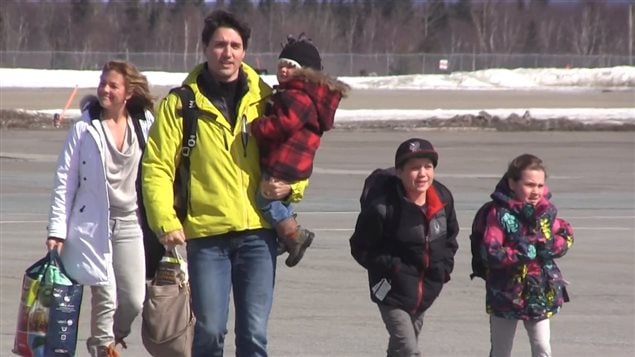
(79, 211)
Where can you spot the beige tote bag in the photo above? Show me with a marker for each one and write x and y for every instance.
(167, 328)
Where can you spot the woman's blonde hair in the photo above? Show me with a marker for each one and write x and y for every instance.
(136, 84)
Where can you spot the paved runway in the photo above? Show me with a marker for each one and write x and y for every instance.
(322, 306)
(49, 98)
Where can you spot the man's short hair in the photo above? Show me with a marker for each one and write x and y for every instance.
(222, 18)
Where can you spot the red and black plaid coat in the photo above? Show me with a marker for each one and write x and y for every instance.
(302, 109)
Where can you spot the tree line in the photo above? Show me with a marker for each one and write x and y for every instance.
(582, 27)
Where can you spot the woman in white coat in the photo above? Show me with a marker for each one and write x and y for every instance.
(94, 216)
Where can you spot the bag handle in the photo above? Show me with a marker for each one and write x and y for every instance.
(57, 260)
(51, 258)
(173, 256)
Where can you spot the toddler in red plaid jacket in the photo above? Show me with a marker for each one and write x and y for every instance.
(302, 108)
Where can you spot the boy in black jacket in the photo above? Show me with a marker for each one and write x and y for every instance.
(406, 238)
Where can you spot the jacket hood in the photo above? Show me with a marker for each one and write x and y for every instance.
(252, 78)
(325, 91)
(504, 196)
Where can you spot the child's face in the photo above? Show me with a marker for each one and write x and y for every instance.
(531, 186)
(417, 175)
(285, 71)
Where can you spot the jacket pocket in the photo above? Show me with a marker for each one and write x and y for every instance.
(405, 285)
(83, 262)
(557, 286)
(437, 273)
(506, 288)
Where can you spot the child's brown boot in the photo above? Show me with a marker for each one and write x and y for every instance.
(295, 238)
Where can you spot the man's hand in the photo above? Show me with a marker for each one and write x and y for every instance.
(55, 243)
(274, 189)
(172, 239)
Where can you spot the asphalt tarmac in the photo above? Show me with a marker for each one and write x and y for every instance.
(322, 306)
(50, 98)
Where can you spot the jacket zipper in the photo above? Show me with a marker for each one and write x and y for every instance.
(426, 261)
(244, 136)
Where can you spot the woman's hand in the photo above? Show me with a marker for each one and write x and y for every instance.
(55, 243)
(274, 189)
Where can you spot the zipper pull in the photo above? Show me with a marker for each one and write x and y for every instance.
(243, 133)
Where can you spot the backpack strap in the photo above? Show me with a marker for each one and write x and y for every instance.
(378, 183)
(91, 104)
(136, 116)
(391, 222)
(189, 112)
(479, 223)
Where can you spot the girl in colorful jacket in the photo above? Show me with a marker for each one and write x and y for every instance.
(94, 216)
(522, 238)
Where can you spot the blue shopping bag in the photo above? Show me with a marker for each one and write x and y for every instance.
(48, 315)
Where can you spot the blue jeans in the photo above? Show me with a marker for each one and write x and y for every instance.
(274, 211)
(246, 263)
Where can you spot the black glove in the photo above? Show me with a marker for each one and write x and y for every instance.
(544, 248)
(526, 251)
(543, 223)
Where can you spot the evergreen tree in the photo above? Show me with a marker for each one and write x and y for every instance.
(532, 42)
(462, 10)
(436, 23)
(3, 33)
(240, 7)
(81, 11)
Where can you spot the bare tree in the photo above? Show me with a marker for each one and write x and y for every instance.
(587, 28)
(484, 20)
(511, 24)
(336, 26)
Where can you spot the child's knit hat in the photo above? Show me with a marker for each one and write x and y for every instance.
(301, 53)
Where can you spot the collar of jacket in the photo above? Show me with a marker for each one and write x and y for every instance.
(210, 88)
(94, 109)
(308, 75)
(257, 92)
(504, 196)
(433, 201)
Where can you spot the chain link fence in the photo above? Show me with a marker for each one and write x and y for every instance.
(338, 64)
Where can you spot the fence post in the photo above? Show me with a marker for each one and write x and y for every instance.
(630, 34)
(423, 63)
(350, 64)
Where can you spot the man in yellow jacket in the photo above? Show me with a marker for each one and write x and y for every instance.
(229, 243)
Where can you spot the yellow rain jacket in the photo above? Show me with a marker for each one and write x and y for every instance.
(224, 173)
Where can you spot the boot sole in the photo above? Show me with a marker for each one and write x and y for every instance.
(291, 262)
